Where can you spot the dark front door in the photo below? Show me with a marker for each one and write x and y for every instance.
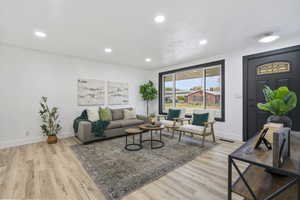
(276, 68)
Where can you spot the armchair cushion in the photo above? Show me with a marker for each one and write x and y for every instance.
(192, 128)
(167, 123)
(173, 113)
(200, 119)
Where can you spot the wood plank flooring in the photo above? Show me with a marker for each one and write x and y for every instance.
(42, 171)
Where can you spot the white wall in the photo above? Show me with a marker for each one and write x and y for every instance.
(26, 75)
(232, 127)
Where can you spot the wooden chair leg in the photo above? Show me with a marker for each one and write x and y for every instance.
(203, 140)
(180, 134)
(173, 132)
(213, 134)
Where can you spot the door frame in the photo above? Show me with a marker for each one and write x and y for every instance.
(245, 80)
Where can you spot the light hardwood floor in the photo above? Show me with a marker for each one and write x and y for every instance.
(42, 171)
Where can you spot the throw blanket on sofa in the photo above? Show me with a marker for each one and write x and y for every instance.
(98, 127)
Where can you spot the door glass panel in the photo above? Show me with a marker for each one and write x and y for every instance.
(274, 67)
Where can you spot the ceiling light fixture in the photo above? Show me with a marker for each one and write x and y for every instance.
(203, 42)
(148, 60)
(269, 37)
(159, 19)
(40, 34)
(108, 50)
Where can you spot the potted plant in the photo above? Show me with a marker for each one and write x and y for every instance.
(148, 92)
(279, 102)
(50, 126)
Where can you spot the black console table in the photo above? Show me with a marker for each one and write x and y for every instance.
(255, 183)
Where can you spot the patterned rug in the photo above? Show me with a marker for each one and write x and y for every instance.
(117, 172)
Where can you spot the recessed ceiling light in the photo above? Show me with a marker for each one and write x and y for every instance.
(270, 37)
(148, 60)
(108, 50)
(203, 42)
(159, 19)
(40, 34)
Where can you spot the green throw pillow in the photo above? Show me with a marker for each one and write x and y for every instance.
(105, 114)
(173, 113)
(200, 119)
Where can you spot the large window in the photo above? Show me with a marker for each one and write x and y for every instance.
(199, 87)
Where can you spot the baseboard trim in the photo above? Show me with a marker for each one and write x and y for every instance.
(19, 142)
(228, 136)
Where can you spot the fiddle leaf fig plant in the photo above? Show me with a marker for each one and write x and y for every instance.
(50, 126)
(279, 101)
(148, 92)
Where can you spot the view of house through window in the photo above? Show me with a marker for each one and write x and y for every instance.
(195, 88)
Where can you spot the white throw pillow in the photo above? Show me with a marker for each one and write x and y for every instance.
(93, 114)
(129, 114)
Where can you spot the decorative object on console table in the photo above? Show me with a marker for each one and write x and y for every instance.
(279, 102)
(262, 180)
(149, 93)
(50, 126)
(272, 128)
(281, 146)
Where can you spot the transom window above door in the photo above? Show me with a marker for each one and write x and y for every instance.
(196, 87)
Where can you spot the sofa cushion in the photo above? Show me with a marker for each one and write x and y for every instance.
(131, 122)
(114, 124)
(93, 114)
(117, 114)
(105, 114)
(129, 114)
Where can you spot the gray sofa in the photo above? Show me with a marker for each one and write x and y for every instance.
(116, 127)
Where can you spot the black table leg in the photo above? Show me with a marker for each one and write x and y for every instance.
(155, 143)
(160, 135)
(133, 146)
(151, 140)
(229, 178)
(298, 183)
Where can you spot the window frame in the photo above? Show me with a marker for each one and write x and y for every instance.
(205, 65)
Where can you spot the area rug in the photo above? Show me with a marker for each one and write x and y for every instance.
(117, 172)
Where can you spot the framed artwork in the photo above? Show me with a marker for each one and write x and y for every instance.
(118, 93)
(91, 92)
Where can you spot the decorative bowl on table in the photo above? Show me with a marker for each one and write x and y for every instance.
(153, 125)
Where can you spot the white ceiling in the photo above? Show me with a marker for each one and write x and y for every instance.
(85, 28)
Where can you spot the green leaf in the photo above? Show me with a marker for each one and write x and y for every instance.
(279, 101)
(148, 91)
(281, 92)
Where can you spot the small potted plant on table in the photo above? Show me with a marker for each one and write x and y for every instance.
(279, 102)
(50, 126)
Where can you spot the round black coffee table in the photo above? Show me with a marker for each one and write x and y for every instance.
(151, 128)
(133, 146)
